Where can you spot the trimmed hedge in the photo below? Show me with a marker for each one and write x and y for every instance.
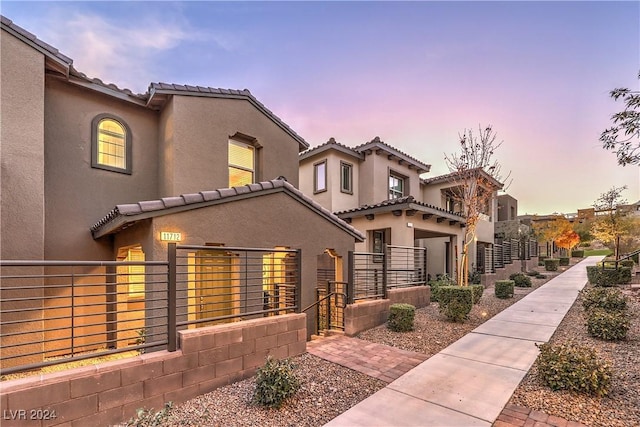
(541, 259)
(564, 260)
(572, 367)
(608, 325)
(455, 302)
(599, 276)
(604, 298)
(435, 285)
(477, 291)
(577, 254)
(551, 264)
(401, 317)
(521, 280)
(504, 288)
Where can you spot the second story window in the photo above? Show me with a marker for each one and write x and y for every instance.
(241, 163)
(111, 144)
(320, 177)
(346, 178)
(396, 186)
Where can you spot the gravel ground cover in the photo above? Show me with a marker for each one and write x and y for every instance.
(622, 406)
(329, 389)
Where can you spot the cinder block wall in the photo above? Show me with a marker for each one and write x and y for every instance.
(369, 314)
(110, 393)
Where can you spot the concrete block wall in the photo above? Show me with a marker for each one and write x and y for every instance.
(504, 273)
(369, 314)
(110, 393)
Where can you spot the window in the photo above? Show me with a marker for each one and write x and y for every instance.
(346, 178)
(378, 244)
(396, 186)
(320, 177)
(241, 163)
(111, 144)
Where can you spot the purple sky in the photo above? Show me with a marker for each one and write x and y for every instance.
(417, 74)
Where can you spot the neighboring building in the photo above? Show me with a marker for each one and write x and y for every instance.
(94, 172)
(507, 208)
(379, 190)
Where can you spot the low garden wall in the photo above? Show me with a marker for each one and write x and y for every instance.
(507, 270)
(371, 313)
(110, 393)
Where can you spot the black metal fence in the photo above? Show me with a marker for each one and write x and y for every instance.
(372, 274)
(54, 312)
(504, 253)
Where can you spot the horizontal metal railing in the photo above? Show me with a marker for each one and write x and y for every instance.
(54, 312)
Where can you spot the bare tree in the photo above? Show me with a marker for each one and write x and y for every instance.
(476, 177)
(624, 137)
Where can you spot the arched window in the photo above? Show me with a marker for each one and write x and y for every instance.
(111, 144)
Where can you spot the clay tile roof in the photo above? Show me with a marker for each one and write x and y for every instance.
(329, 145)
(401, 201)
(377, 143)
(453, 176)
(126, 214)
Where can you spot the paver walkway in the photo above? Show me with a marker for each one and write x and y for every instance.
(376, 360)
(519, 416)
(470, 382)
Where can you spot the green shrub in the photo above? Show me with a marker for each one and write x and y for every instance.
(605, 298)
(608, 325)
(577, 254)
(532, 273)
(584, 244)
(626, 263)
(504, 288)
(475, 277)
(540, 276)
(572, 367)
(435, 285)
(275, 381)
(455, 302)
(521, 280)
(149, 418)
(401, 317)
(599, 276)
(551, 264)
(476, 291)
(541, 259)
(564, 260)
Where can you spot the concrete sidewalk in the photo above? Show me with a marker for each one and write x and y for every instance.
(470, 382)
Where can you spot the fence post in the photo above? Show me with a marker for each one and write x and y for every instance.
(385, 259)
(112, 308)
(171, 299)
(298, 295)
(350, 278)
(424, 267)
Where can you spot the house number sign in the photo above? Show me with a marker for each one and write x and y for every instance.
(170, 236)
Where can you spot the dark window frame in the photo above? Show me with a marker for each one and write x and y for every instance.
(127, 141)
(343, 188)
(317, 190)
(401, 178)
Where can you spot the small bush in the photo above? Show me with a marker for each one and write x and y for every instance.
(401, 317)
(608, 325)
(572, 367)
(435, 285)
(599, 276)
(551, 264)
(521, 280)
(626, 263)
(149, 418)
(475, 277)
(541, 259)
(476, 291)
(564, 260)
(577, 254)
(455, 302)
(605, 298)
(584, 244)
(532, 273)
(504, 288)
(275, 381)
(540, 276)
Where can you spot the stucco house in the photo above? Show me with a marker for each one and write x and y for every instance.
(91, 171)
(387, 195)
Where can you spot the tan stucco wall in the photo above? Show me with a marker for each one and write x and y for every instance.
(264, 222)
(77, 194)
(22, 180)
(200, 129)
(332, 199)
(21, 190)
(374, 178)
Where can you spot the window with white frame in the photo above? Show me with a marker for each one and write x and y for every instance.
(346, 178)
(320, 177)
(111, 144)
(241, 163)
